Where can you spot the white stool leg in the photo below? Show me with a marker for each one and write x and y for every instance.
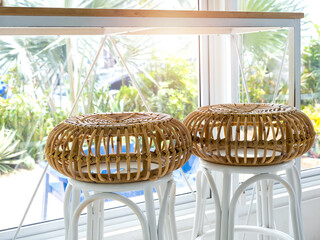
(265, 206)
(225, 201)
(294, 180)
(200, 205)
(89, 217)
(259, 208)
(75, 200)
(166, 228)
(160, 191)
(96, 220)
(267, 195)
(203, 192)
(270, 205)
(151, 216)
(170, 232)
(293, 208)
(264, 200)
(272, 224)
(171, 213)
(170, 228)
(101, 219)
(114, 196)
(215, 196)
(66, 210)
(163, 209)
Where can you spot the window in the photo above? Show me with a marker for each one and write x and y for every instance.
(263, 56)
(44, 79)
(39, 95)
(310, 78)
(40, 79)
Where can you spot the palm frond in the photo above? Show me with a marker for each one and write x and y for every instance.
(8, 155)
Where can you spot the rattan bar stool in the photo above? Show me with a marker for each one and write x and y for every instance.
(119, 152)
(258, 139)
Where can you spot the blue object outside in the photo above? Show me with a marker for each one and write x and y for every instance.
(3, 90)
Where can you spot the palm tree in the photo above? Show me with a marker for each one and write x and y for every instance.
(37, 62)
(59, 64)
(265, 49)
(45, 62)
(268, 42)
(9, 158)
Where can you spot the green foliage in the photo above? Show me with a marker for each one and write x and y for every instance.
(263, 51)
(9, 156)
(128, 100)
(13, 78)
(267, 44)
(174, 90)
(35, 67)
(30, 118)
(313, 113)
(261, 86)
(269, 5)
(310, 79)
(100, 99)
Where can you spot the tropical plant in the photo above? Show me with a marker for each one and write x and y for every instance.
(267, 43)
(263, 51)
(173, 91)
(310, 87)
(261, 86)
(9, 157)
(38, 68)
(310, 79)
(313, 112)
(30, 118)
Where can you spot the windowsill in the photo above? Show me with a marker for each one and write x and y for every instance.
(120, 227)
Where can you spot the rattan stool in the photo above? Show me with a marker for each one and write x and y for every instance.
(109, 153)
(259, 139)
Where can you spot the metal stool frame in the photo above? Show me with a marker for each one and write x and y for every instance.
(225, 209)
(165, 229)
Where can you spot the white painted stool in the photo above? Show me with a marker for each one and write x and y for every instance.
(254, 138)
(226, 207)
(165, 186)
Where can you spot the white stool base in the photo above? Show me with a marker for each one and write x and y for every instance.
(225, 208)
(165, 229)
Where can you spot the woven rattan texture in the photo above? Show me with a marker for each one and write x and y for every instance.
(249, 134)
(118, 147)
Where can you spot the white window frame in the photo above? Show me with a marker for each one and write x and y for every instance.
(211, 72)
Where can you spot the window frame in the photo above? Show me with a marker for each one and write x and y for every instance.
(209, 84)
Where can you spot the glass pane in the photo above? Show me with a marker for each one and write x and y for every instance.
(40, 79)
(310, 79)
(263, 54)
(262, 77)
(31, 75)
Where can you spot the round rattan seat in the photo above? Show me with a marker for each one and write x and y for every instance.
(118, 147)
(249, 134)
